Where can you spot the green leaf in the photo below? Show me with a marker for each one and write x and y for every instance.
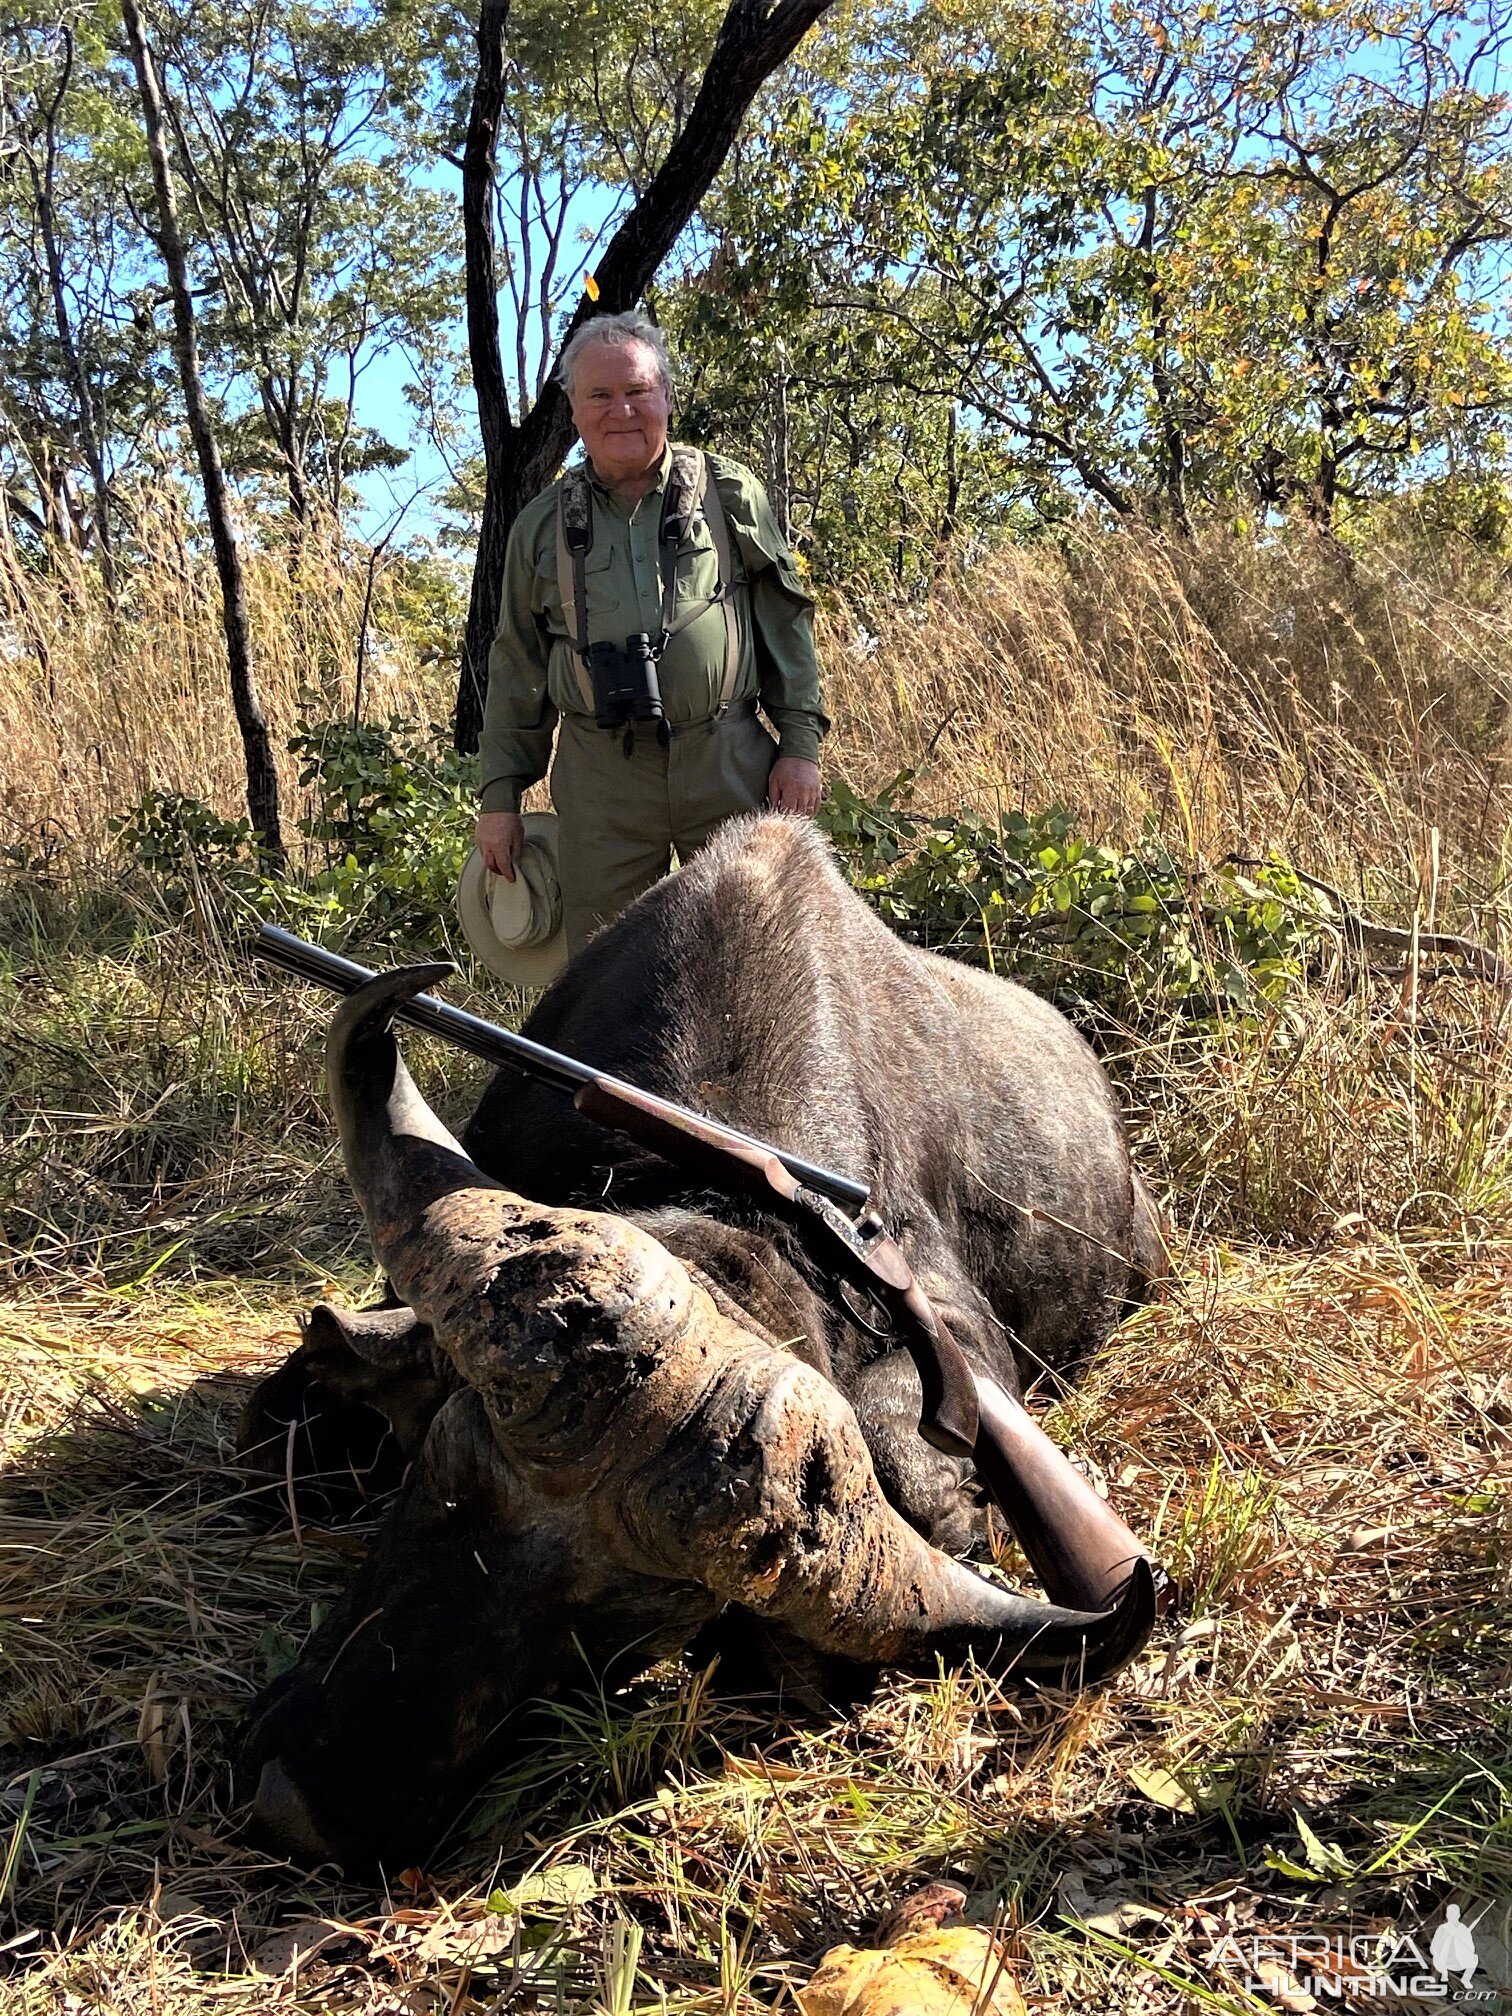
(1279, 1862)
(1322, 1856)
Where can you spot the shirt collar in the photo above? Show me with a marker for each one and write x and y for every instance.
(607, 491)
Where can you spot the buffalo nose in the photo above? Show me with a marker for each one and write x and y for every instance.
(281, 1820)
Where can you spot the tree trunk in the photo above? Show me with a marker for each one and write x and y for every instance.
(43, 181)
(499, 434)
(520, 460)
(13, 578)
(262, 775)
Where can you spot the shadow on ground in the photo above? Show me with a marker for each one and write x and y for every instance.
(147, 1598)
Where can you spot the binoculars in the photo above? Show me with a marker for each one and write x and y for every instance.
(625, 688)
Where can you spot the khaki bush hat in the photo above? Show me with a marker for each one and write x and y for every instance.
(516, 927)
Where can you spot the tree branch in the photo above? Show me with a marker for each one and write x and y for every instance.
(754, 38)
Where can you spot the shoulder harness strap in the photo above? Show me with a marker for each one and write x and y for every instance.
(690, 486)
(574, 538)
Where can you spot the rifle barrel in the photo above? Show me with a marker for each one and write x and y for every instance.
(277, 947)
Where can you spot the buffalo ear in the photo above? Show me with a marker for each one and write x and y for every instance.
(392, 1338)
(342, 1419)
(757, 1656)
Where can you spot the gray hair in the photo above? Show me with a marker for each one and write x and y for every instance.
(618, 332)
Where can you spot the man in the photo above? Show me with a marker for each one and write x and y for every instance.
(671, 768)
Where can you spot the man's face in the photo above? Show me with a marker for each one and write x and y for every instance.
(620, 408)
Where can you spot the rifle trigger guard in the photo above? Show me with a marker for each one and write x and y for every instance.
(876, 1322)
(949, 1418)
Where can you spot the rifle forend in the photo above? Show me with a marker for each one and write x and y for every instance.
(277, 947)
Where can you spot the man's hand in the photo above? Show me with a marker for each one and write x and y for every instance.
(793, 785)
(499, 836)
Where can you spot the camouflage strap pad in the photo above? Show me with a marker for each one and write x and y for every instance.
(574, 537)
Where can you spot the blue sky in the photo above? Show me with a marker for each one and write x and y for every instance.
(381, 401)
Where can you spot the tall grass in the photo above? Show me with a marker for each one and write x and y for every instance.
(1317, 1440)
(1355, 709)
(98, 706)
(1354, 713)
(1235, 695)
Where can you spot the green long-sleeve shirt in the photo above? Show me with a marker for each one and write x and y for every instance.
(533, 673)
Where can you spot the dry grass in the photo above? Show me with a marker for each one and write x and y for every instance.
(1353, 710)
(96, 709)
(1350, 1108)
(1317, 1429)
(1320, 1447)
(1344, 709)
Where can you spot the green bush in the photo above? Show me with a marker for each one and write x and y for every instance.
(394, 813)
(1125, 931)
(189, 850)
(390, 827)
(1128, 932)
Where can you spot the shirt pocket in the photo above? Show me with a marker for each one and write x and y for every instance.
(597, 562)
(698, 565)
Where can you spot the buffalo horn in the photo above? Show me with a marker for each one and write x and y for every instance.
(692, 1451)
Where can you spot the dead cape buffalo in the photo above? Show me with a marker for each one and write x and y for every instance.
(622, 1406)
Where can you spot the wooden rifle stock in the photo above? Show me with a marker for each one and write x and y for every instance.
(1079, 1547)
(1075, 1542)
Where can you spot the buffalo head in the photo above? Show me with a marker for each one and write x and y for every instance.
(610, 1456)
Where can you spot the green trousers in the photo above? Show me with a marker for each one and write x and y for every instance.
(622, 816)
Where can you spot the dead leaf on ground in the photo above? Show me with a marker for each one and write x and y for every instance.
(1160, 1785)
(1284, 1987)
(961, 1972)
(291, 1944)
(481, 1939)
(1113, 1912)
